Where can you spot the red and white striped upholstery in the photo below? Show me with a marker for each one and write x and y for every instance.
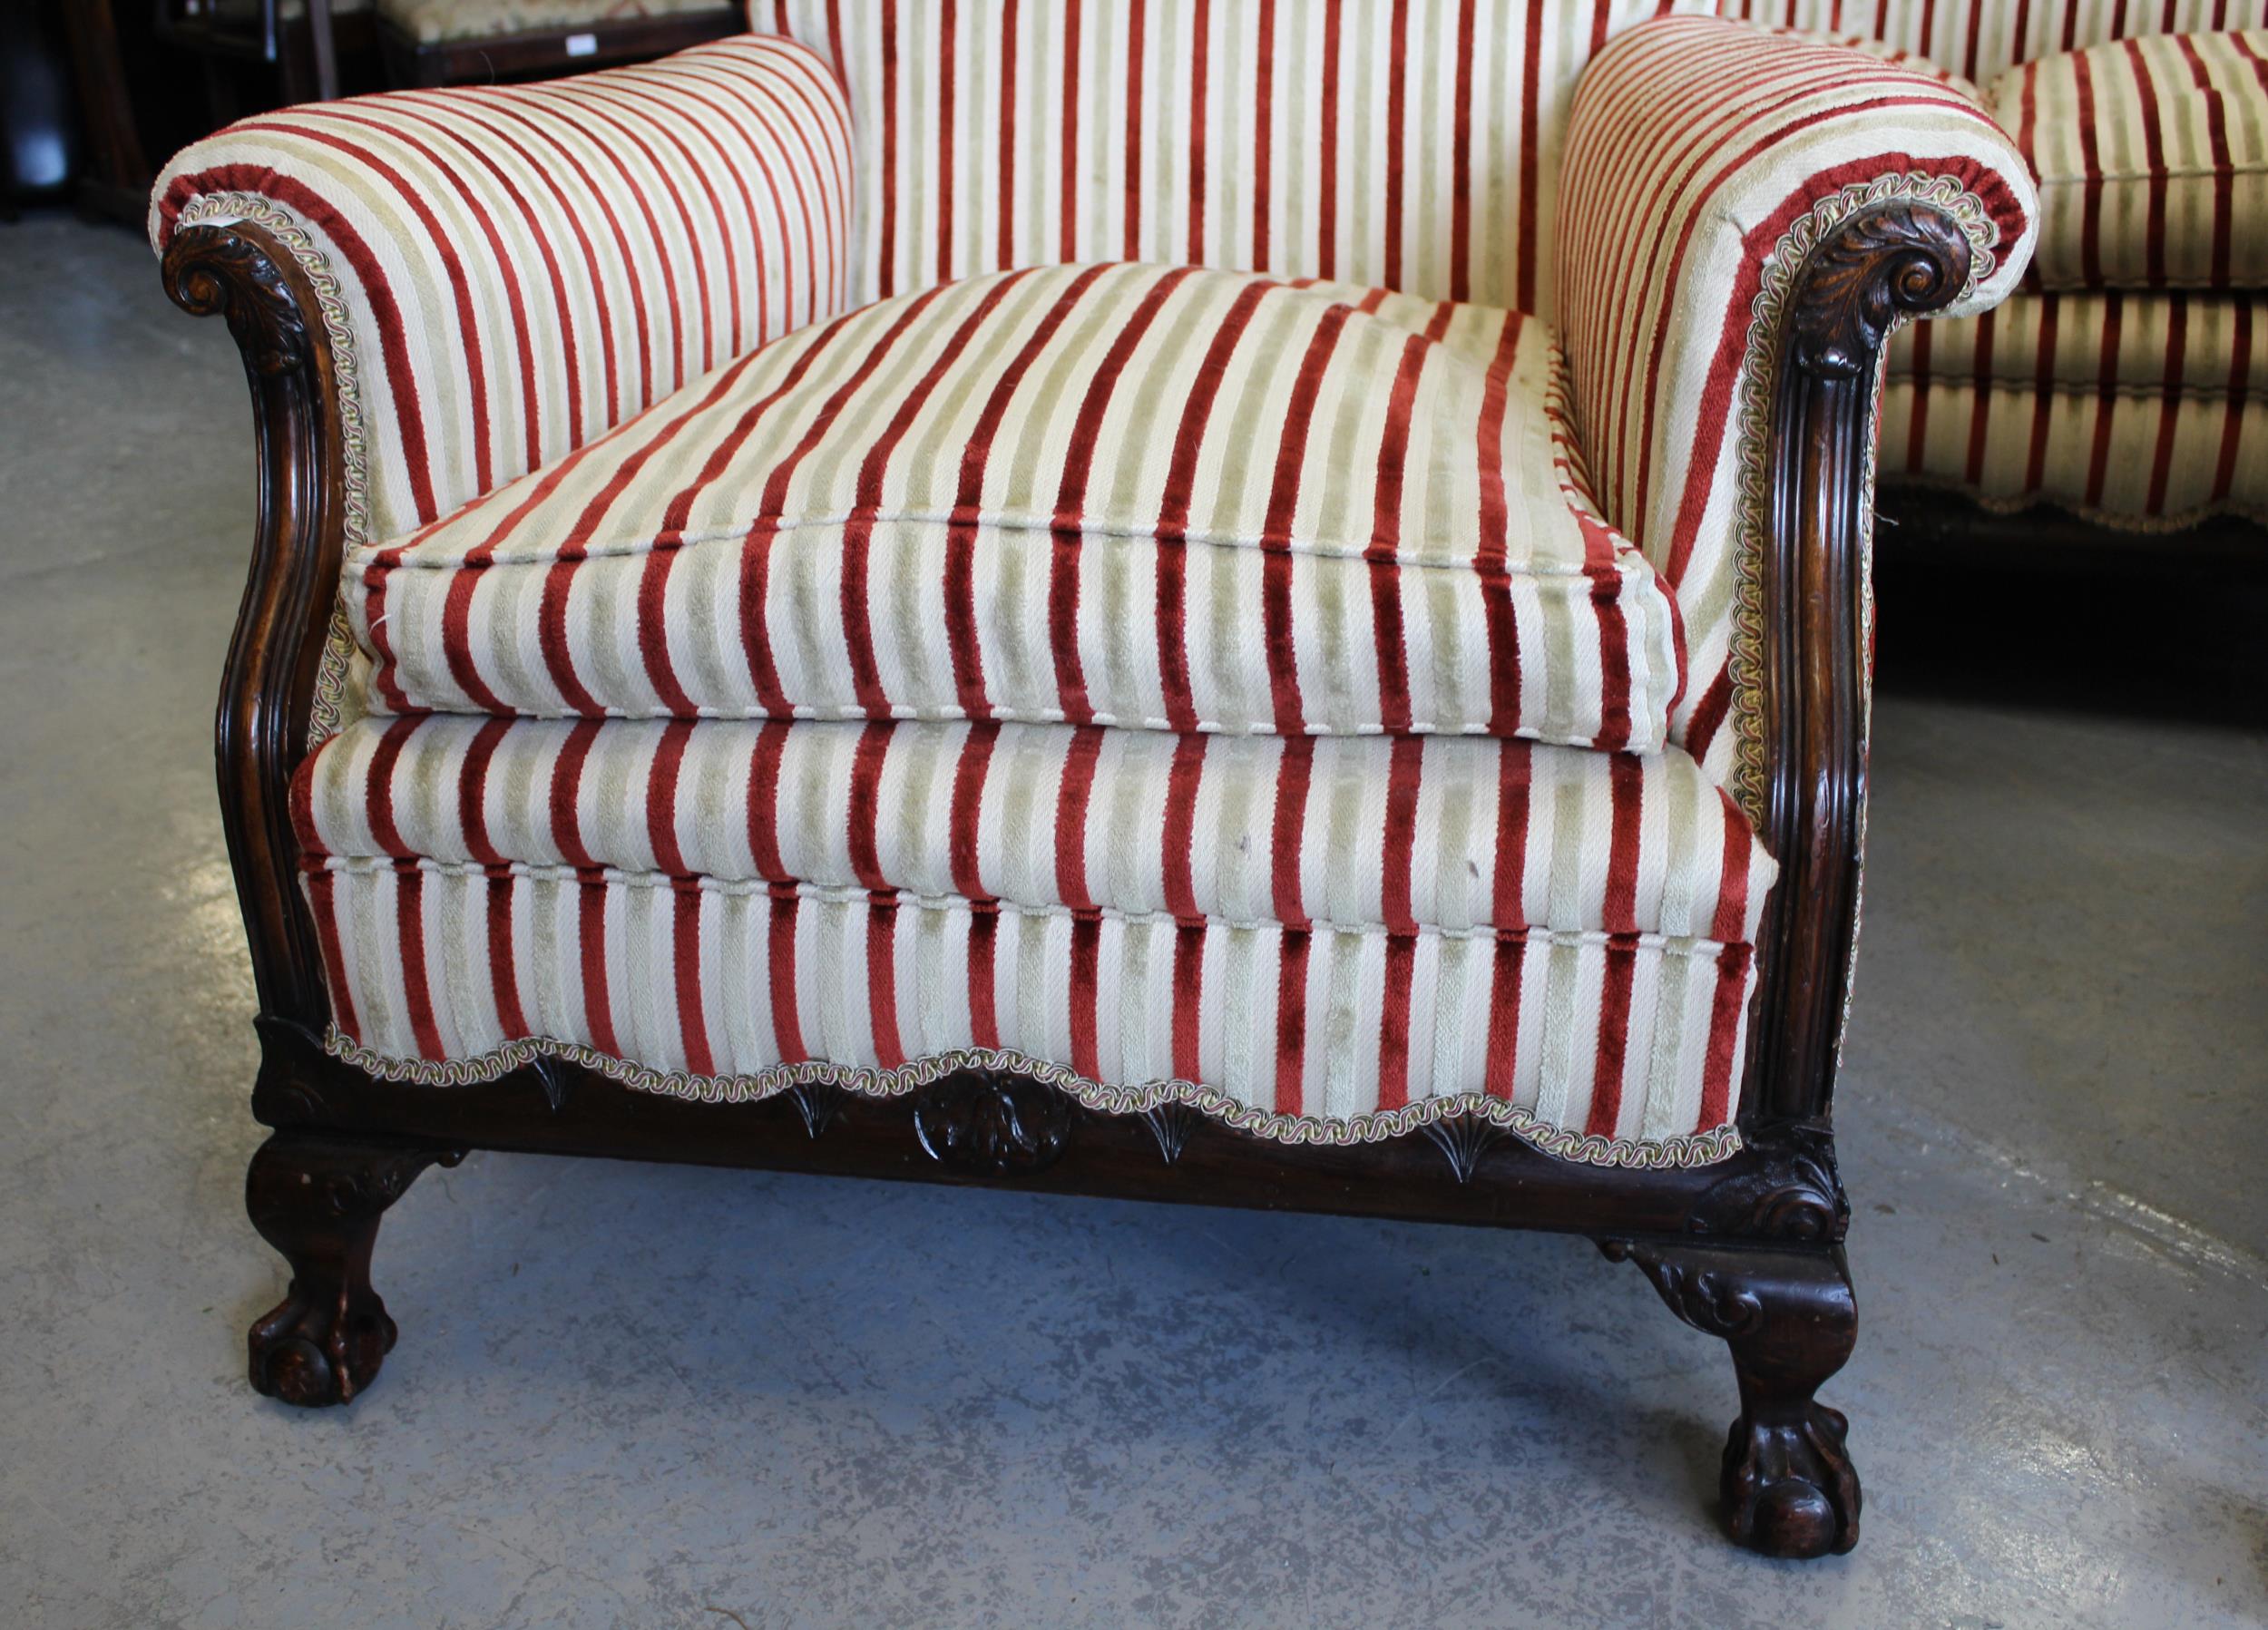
(1697, 147)
(1319, 930)
(1982, 39)
(2137, 408)
(521, 267)
(2152, 157)
(1410, 144)
(1126, 495)
(1134, 671)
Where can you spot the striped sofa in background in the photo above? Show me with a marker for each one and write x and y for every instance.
(2128, 380)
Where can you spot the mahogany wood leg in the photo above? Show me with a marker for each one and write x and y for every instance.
(1789, 1316)
(316, 1197)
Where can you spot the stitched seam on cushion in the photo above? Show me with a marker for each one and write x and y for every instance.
(1020, 523)
(1055, 716)
(852, 895)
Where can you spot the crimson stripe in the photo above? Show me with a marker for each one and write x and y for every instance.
(409, 895)
(1263, 132)
(1283, 656)
(948, 49)
(959, 588)
(1071, 499)
(685, 949)
(504, 974)
(1070, 817)
(1384, 550)
(1173, 517)
(1131, 202)
(970, 770)
(1405, 767)
(866, 798)
(984, 1000)
(1012, 52)
(886, 221)
(1530, 155)
(1201, 44)
(1327, 95)
(1461, 164)
(858, 526)
(1397, 115)
(881, 978)
(320, 896)
(2169, 409)
(1085, 978)
(1067, 225)
(1492, 560)
(763, 810)
(1291, 1021)
(787, 1026)
(1626, 780)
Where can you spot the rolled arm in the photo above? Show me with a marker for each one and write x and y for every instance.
(1746, 217)
(1703, 158)
(513, 270)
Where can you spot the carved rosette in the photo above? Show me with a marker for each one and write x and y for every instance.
(992, 1124)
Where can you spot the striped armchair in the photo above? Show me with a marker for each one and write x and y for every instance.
(2126, 383)
(1259, 605)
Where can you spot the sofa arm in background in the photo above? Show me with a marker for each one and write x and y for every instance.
(507, 272)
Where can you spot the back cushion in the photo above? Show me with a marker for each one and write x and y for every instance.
(1982, 39)
(1408, 144)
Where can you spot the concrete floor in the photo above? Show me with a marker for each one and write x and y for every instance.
(666, 1397)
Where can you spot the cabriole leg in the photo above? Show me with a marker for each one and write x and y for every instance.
(318, 1197)
(1790, 1318)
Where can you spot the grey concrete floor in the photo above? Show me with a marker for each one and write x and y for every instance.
(653, 1396)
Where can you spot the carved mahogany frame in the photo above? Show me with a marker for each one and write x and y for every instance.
(1747, 1249)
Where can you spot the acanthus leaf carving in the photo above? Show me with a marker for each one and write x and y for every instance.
(990, 1124)
(211, 270)
(1884, 264)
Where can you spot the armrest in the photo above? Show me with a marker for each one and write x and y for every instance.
(1703, 160)
(507, 272)
(1745, 218)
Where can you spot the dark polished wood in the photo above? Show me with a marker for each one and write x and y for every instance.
(485, 58)
(1748, 1247)
(316, 1197)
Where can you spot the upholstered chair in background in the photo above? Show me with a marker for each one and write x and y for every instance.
(2126, 383)
(1256, 605)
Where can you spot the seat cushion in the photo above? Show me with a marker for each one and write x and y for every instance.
(1311, 939)
(1118, 495)
(2153, 161)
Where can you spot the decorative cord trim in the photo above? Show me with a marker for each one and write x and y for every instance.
(1689, 1149)
(326, 715)
(1769, 314)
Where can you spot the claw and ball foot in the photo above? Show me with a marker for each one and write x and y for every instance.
(317, 1198)
(1790, 1319)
